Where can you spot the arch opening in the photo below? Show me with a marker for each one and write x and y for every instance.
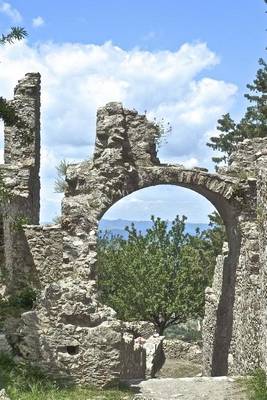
(219, 348)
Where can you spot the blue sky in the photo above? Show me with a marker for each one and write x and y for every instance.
(233, 29)
(68, 42)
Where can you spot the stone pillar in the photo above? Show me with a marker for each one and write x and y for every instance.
(212, 298)
(262, 229)
(245, 354)
(20, 176)
(247, 349)
(2, 258)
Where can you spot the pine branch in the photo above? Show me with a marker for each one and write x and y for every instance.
(16, 33)
(252, 124)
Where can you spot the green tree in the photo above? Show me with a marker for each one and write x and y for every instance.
(253, 124)
(7, 113)
(60, 183)
(159, 277)
(209, 243)
(215, 236)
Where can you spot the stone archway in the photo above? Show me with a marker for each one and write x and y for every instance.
(70, 333)
(125, 161)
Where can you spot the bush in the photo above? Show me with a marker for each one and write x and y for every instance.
(24, 299)
(256, 385)
(17, 304)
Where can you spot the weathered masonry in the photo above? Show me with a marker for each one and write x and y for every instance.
(70, 333)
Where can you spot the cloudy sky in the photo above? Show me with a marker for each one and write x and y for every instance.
(185, 61)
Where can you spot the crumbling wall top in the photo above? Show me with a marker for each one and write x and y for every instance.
(22, 140)
(125, 135)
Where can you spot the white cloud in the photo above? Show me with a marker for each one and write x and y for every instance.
(78, 78)
(190, 163)
(11, 12)
(38, 21)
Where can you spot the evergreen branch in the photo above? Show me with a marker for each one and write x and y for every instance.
(16, 33)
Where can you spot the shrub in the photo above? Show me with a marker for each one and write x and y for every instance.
(15, 305)
(256, 385)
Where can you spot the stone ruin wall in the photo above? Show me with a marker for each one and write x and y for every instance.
(70, 333)
(245, 352)
(262, 231)
(212, 298)
(20, 184)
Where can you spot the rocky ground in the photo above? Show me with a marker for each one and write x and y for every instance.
(181, 380)
(179, 369)
(202, 388)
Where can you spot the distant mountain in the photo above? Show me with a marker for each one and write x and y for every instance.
(117, 226)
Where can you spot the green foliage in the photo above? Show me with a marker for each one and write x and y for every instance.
(16, 304)
(16, 33)
(24, 382)
(161, 276)
(188, 332)
(253, 124)
(18, 222)
(163, 130)
(25, 299)
(256, 385)
(60, 183)
(212, 240)
(11, 118)
(7, 111)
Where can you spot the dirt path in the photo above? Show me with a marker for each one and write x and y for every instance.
(204, 388)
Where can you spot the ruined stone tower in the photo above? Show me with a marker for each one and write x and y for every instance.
(70, 333)
(20, 184)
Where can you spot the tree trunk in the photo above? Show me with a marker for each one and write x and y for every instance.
(160, 329)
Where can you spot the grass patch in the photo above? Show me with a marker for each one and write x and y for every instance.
(23, 382)
(256, 385)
